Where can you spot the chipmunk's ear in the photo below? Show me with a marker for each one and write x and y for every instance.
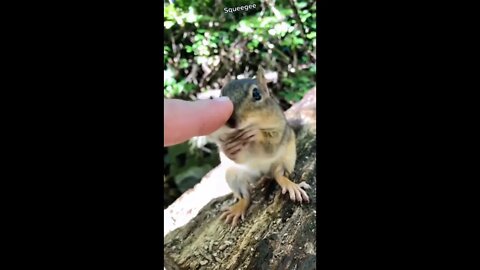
(262, 81)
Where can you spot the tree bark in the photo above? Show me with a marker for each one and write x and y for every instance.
(276, 233)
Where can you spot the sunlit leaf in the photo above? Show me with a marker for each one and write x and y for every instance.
(168, 24)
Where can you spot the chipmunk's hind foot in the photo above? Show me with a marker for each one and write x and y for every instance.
(296, 191)
(235, 212)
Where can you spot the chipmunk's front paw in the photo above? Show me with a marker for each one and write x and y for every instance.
(233, 214)
(234, 143)
(296, 191)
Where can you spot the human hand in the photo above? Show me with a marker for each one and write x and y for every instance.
(186, 119)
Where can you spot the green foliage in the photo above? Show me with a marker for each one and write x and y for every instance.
(298, 86)
(186, 165)
(294, 96)
(184, 5)
(174, 88)
(196, 32)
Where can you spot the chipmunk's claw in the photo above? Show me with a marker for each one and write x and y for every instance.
(234, 213)
(295, 191)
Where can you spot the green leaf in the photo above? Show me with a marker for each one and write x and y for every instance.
(183, 63)
(168, 24)
(312, 35)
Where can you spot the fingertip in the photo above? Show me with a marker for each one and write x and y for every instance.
(214, 114)
(186, 119)
(223, 99)
(225, 105)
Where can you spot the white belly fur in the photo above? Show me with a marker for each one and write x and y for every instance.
(251, 170)
(255, 167)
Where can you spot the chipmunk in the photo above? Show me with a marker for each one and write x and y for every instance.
(256, 142)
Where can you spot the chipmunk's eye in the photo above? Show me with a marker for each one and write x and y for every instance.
(256, 94)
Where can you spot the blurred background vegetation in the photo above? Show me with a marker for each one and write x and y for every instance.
(205, 48)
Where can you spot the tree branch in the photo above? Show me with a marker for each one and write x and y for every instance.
(297, 17)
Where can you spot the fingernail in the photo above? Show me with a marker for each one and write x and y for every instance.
(222, 99)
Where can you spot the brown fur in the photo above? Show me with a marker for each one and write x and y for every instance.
(261, 142)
